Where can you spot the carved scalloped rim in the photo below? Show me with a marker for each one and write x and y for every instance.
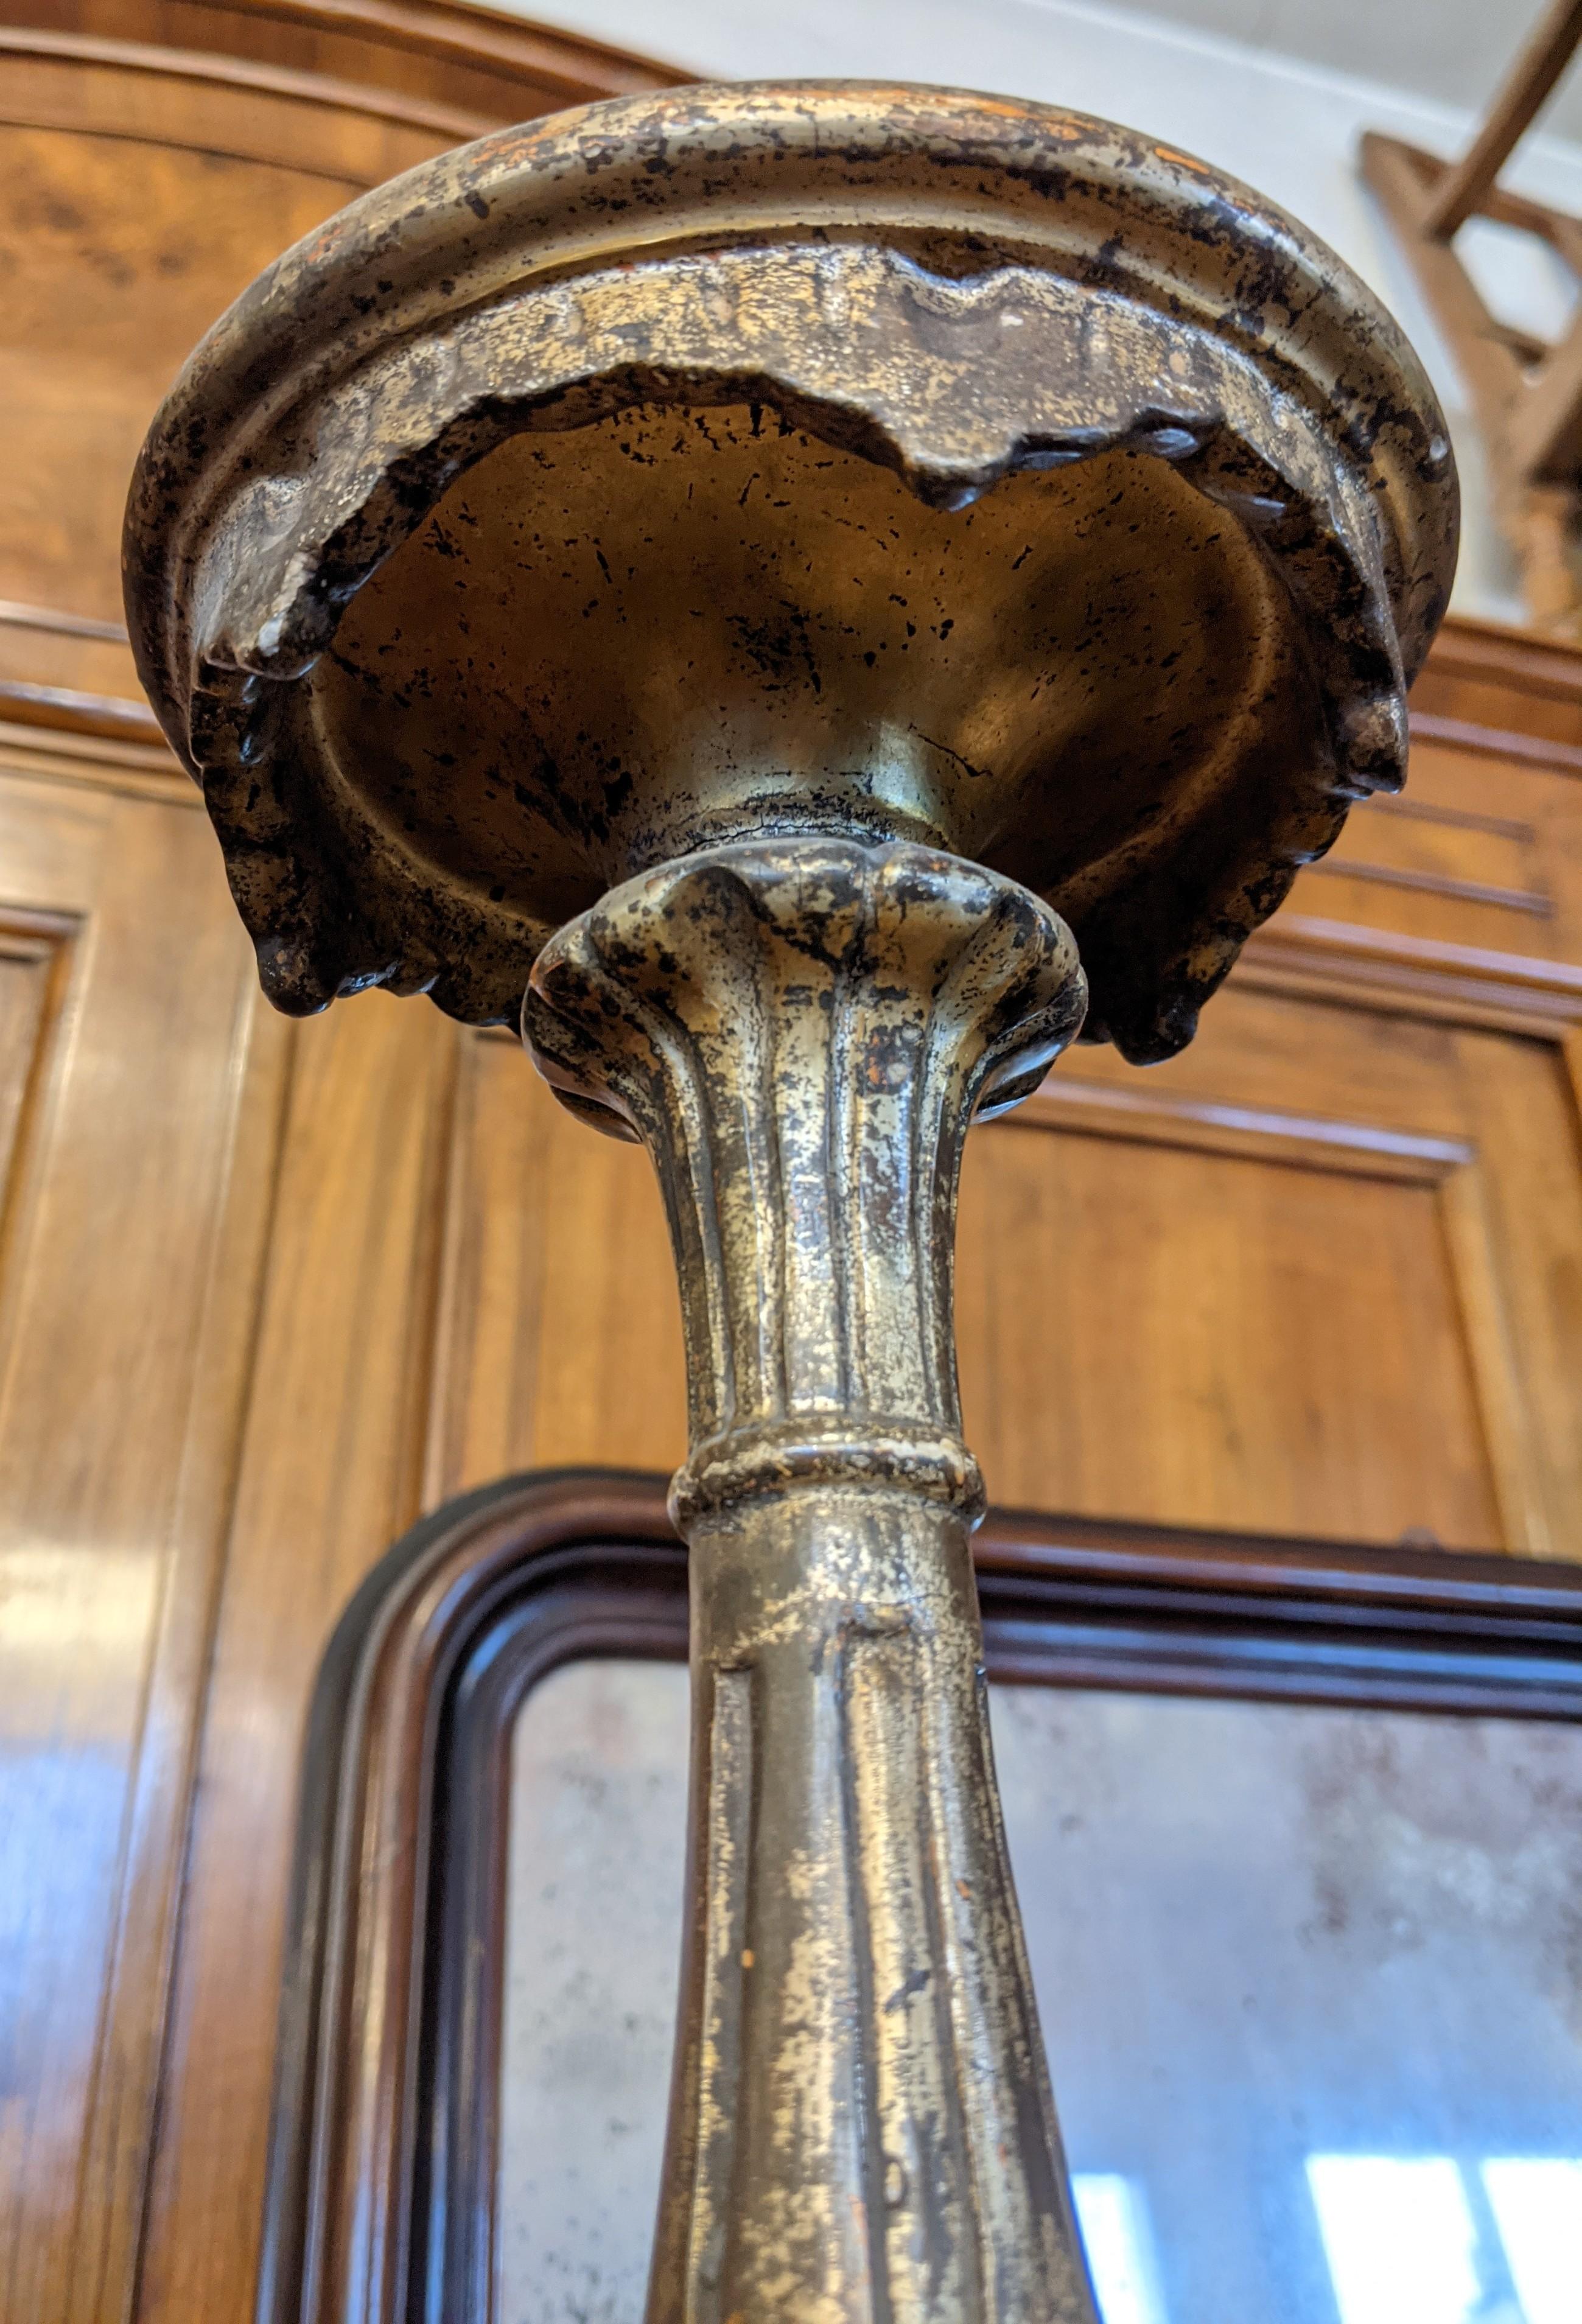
(1006, 181)
(286, 549)
(1392, 520)
(410, 948)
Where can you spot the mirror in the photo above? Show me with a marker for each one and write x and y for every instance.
(1311, 1978)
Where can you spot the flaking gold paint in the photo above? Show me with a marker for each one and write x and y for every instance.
(767, 1015)
(659, 549)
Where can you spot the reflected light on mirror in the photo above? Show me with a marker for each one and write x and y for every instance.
(1403, 2243)
(1398, 2236)
(1119, 2247)
(1537, 2205)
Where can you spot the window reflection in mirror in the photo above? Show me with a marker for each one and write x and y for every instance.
(1310, 1981)
(1405, 2238)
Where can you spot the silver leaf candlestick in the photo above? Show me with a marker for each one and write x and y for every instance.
(816, 587)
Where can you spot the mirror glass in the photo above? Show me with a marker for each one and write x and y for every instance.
(1310, 1981)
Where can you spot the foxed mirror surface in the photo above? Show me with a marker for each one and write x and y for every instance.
(1310, 1981)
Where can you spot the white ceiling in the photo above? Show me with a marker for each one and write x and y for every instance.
(1456, 51)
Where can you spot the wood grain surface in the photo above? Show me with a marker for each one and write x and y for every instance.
(268, 1292)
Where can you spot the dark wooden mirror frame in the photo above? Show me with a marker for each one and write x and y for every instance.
(383, 2144)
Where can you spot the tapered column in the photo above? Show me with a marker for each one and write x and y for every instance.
(801, 1030)
(687, 479)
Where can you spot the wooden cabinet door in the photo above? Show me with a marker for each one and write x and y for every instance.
(267, 1291)
(1317, 1274)
(1321, 1275)
(137, 1096)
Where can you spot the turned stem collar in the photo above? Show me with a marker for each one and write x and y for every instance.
(801, 1031)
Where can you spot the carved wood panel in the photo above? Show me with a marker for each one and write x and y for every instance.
(267, 1292)
(156, 1125)
(1343, 1241)
(1339, 1240)
(135, 1085)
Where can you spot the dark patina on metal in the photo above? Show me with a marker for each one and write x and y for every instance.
(774, 576)
(876, 461)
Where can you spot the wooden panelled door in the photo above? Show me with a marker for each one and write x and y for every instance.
(156, 1128)
(267, 1291)
(270, 1290)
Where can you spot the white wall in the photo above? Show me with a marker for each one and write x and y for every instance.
(1288, 127)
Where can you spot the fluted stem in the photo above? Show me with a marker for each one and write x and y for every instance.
(861, 2130)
